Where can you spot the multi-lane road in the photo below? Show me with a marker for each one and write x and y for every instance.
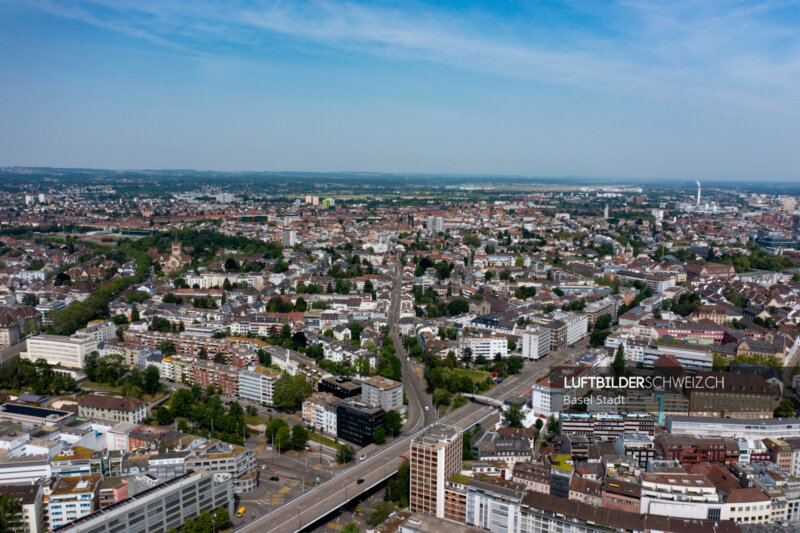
(329, 496)
(420, 407)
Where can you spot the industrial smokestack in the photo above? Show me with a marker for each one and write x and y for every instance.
(698, 193)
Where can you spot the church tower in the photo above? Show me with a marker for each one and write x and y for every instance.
(177, 249)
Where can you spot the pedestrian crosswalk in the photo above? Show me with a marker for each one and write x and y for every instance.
(333, 526)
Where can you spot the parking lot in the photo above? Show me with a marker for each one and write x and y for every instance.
(284, 476)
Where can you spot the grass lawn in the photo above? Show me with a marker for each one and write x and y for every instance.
(316, 437)
(254, 420)
(95, 385)
(150, 398)
(474, 375)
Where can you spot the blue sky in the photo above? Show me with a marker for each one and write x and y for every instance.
(627, 89)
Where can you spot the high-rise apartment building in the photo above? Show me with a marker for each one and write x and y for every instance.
(435, 457)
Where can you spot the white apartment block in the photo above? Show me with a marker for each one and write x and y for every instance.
(735, 428)
(176, 369)
(487, 346)
(58, 350)
(535, 343)
(494, 507)
(217, 279)
(98, 330)
(29, 498)
(71, 498)
(167, 506)
(382, 392)
(257, 384)
(320, 411)
(577, 326)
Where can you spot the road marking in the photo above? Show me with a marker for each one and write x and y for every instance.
(321, 499)
(284, 490)
(334, 526)
(317, 467)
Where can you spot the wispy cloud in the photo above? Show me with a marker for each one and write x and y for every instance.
(736, 53)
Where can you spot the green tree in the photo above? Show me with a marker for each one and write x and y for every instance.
(10, 513)
(472, 240)
(603, 322)
(221, 518)
(514, 364)
(619, 361)
(345, 454)
(457, 307)
(355, 330)
(273, 426)
(552, 424)
(182, 403)
(163, 415)
(205, 522)
(352, 527)
(733, 297)
(785, 409)
(379, 437)
(598, 337)
(393, 422)
(264, 357)
(91, 364)
(397, 488)
(380, 512)
(291, 391)
(299, 437)
(441, 398)
(167, 348)
(151, 378)
(283, 439)
(513, 415)
(190, 526)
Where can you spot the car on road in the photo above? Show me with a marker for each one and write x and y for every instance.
(310, 449)
(427, 408)
(268, 448)
(359, 482)
(274, 478)
(362, 457)
(240, 512)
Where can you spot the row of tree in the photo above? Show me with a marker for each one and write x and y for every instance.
(39, 376)
(205, 412)
(206, 522)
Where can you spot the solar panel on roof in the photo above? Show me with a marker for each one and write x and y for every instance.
(26, 410)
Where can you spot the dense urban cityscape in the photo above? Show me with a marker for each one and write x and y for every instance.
(379, 266)
(196, 353)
